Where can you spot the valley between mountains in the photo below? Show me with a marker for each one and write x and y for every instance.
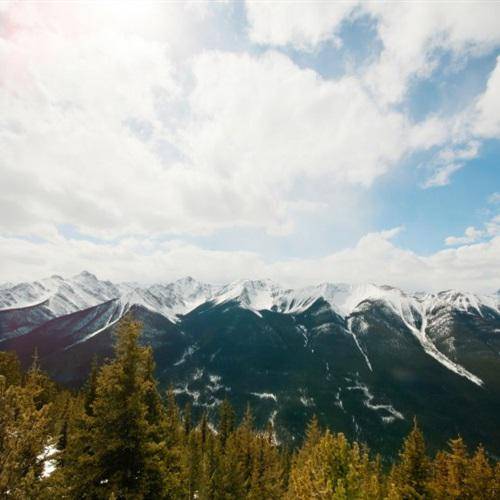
(365, 359)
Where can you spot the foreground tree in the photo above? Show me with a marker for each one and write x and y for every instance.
(329, 467)
(24, 433)
(120, 432)
(410, 474)
(456, 475)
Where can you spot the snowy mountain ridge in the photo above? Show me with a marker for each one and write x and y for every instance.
(84, 290)
(59, 297)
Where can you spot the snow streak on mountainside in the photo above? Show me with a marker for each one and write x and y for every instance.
(61, 296)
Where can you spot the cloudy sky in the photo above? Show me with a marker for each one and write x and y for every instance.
(303, 142)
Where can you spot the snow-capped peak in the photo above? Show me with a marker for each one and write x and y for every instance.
(85, 276)
(255, 295)
(343, 298)
(462, 301)
(60, 296)
(180, 296)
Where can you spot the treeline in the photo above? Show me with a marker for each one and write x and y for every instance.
(119, 439)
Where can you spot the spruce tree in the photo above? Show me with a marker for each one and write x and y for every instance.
(10, 368)
(227, 420)
(121, 432)
(479, 480)
(209, 481)
(24, 434)
(90, 388)
(267, 480)
(411, 472)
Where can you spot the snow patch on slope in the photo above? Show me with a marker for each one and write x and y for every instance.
(412, 309)
(433, 351)
(356, 341)
(369, 403)
(265, 395)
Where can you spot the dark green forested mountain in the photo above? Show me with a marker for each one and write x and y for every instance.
(364, 360)
(119, 438)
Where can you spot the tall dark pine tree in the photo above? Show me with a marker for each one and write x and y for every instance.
(124, 426)
(24, 432)
(411, 473)
(10, 368)
(227, 419)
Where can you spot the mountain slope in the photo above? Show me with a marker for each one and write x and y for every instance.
(365, 359)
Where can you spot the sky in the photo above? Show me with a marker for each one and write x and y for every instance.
(298, 141)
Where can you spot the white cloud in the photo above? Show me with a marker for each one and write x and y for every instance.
(493, 226)
(448, 161)
(442, 175)
(74, 83)
(265, 118)
(412, 33)
(123, 140)
(464, 132)
(414, 36)
(375, 258)
(491, 229)
(494, 198)
(487, 121)
(471, 234)
(67, 155)
(301, 24)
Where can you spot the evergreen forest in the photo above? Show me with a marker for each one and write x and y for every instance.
(119, 437)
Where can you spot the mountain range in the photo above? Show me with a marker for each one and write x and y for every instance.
(366, 359)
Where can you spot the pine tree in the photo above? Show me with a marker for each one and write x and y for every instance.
(310, 476)
(457, 467)
(267, 479)
(479, 480)
(227, 419)
(10, 368)
(173, 422)
(62, 441)
(122, 440)
(90, 387)
(238, 460)
(411, 472)
(209, 481)
(438, 472)
(299, 484)
(24, 433)
(204, 430)
(456, 475)
(187, 421)
(329, 466)
(192, 459)
(79, 473)
(495, 486)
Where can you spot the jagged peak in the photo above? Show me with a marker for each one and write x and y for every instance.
(85, 275)
(256, 294)
(186, 279)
